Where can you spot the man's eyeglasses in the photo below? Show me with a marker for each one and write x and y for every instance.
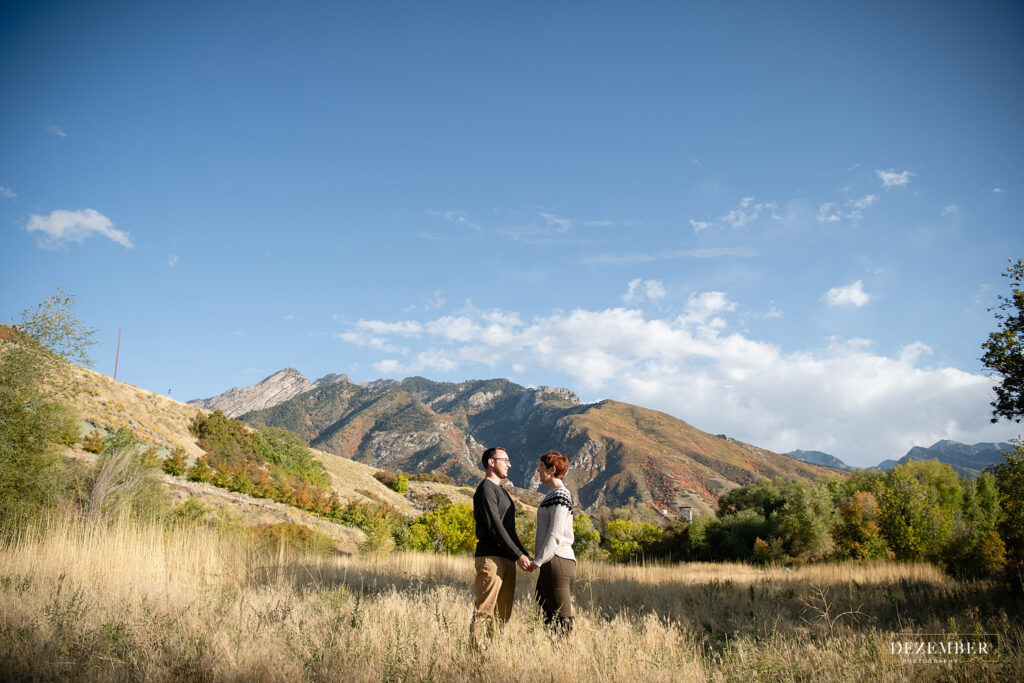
(505, 459)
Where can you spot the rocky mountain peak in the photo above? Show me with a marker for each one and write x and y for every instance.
(274, 389)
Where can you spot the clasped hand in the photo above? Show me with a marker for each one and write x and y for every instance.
(526, 564)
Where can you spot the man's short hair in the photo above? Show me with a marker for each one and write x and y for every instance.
(490, 453)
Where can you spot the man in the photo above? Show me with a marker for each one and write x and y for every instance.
(498, 549)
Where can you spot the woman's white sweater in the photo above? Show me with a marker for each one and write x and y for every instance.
(554, 527)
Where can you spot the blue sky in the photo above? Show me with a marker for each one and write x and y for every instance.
(781, 223)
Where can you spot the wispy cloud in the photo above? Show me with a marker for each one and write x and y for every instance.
(747, 212)
(56, 130)
(951, 210)
(540, 226)
(997, 190)
(891, 178)
(172, 260)
(700, 225)
(637, 258)
(74, 226)
(288, 316)
(460, 218)
(7, 193)
(856, 207)
(848, 295)
(853, 209)
(828, 213)
(841, 397)
(434, 301)
(639, 291)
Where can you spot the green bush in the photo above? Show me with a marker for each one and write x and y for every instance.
(191, 512)
(450, 529)
(586, 537)
(625, 540)
(176, 462)
(401, 484)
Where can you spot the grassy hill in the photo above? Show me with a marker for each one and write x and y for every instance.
(102, 406)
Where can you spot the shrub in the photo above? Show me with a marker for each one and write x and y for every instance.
(626, 540)
(401, 484)
(292, 536)
(93, 442)
(191, 512)
(585, 537)
(385, 477)
(201, 471)
(450, 529)
(438, 500)
(176, 462)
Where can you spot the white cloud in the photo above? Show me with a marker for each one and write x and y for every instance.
(289, 316)
(56, 130)
(828, 213)
(747, 212)
(891, 178)
(849, 295)
(435, 300)
(700, 225)
(856, 206)
(75, 226)
(951, 210)
(842, 398)
(997, 190)
(7, 193)
(172, 260)
(639, 291)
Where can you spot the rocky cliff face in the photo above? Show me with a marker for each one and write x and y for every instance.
(620, 454)
(275, 389)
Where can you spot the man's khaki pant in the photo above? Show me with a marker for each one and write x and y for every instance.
(495, 588)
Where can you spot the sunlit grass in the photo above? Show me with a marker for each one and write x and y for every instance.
(143, 602)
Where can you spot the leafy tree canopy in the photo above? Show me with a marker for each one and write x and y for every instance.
(1004, 349)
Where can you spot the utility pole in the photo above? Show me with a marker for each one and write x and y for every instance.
(118, 354)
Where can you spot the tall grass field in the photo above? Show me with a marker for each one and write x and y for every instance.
(126, 601)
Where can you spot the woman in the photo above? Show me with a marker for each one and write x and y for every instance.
(554, 553)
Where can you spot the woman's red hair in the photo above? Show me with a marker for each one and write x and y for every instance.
(556, 460)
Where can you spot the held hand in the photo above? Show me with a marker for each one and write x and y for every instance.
(524, 563)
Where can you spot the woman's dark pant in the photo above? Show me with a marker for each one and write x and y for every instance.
(553, 590)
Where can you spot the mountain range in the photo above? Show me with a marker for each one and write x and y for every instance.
(968, 460)
(620, 454)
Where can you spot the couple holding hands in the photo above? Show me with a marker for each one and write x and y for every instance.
(499, 551)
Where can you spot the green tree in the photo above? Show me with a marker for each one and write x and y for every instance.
(1004, 348)
(33, 369)
(857, 534)
(805, 522)
(450, 529)
(626, 540)
(1009, 476)
(586, 537)
(911, 518)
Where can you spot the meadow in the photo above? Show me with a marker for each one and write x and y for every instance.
(130, 601)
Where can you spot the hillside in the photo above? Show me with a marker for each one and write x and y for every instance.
(105, 405)
(620, 454)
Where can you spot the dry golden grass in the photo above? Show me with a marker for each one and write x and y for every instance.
(145, 603)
